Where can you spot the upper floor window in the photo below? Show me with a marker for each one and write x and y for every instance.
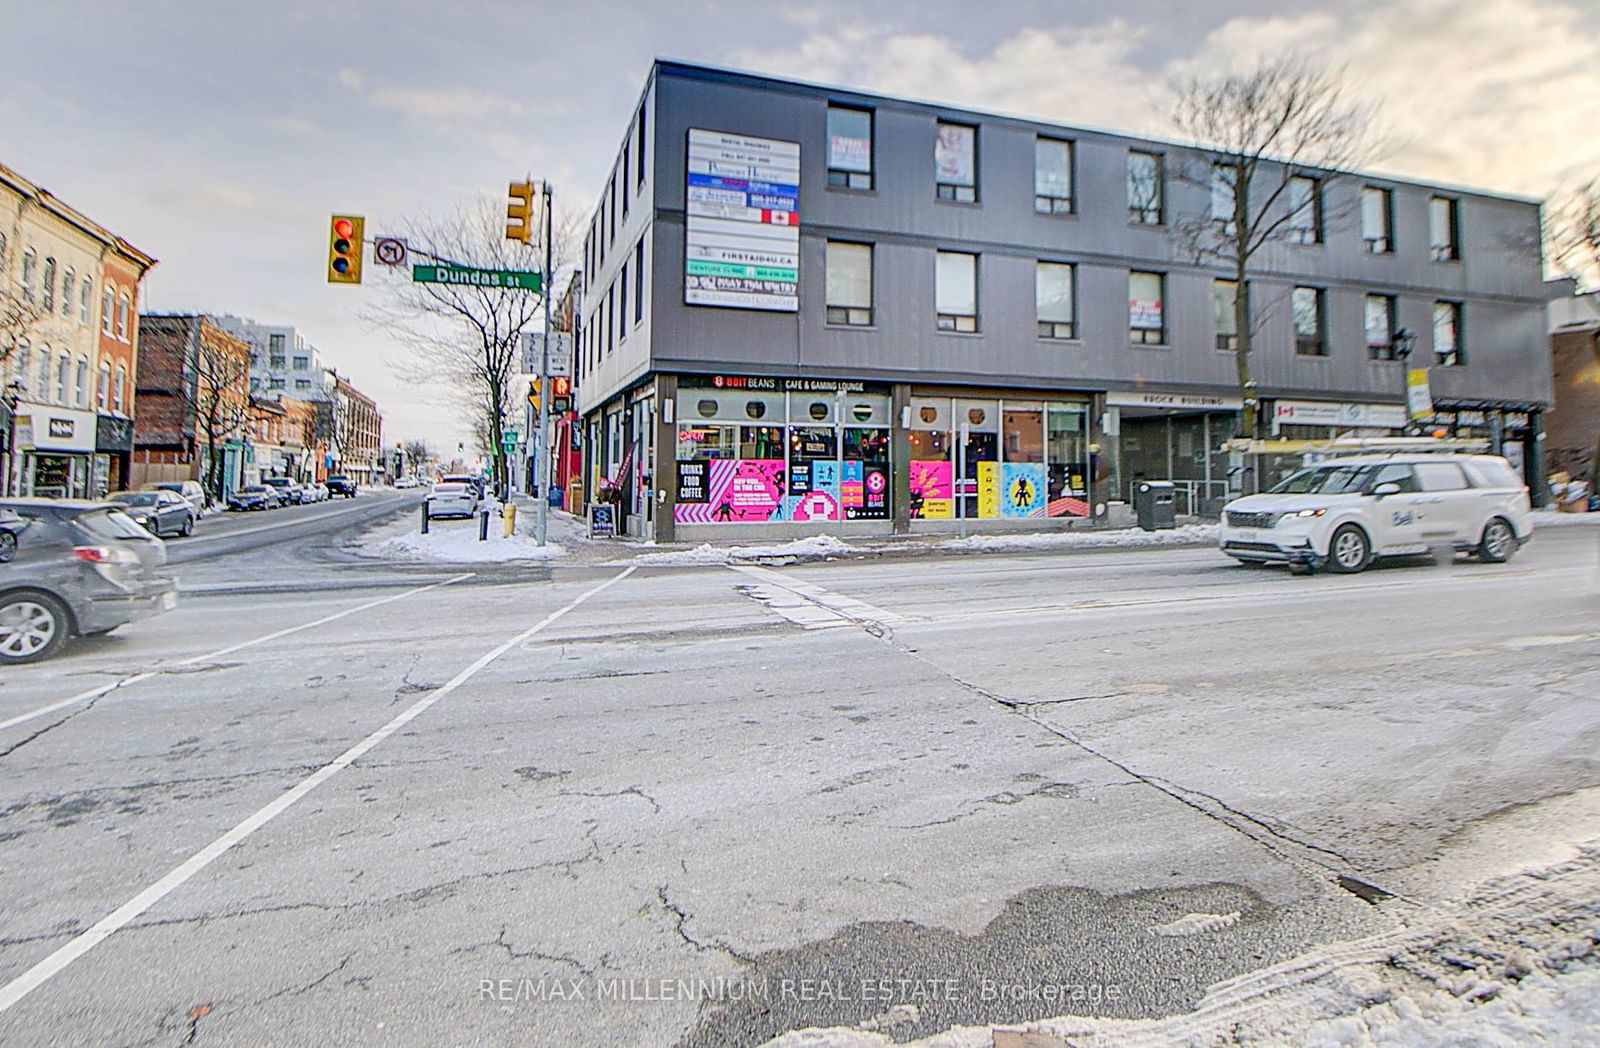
(1224, 296)
(1146, 312)
(80, 383)
(302, 363)
(1377, 220)
(1305, 210)
(1053, 299)
(102, 388)
(1306, 303)
(1052, 176)
(47, 289)
(30, 262)
(63, 377)
(276, 383)
(44, 373)
(1444, 229)
(1380, 327)
(1448, 350)
(1224, 178)
(108, 309)
(123, 306)
(849, 147)
(955, 163)
(627, 165)
(622, 299)
(69, 284)
(302, 383)
(1144, 188)
(120, 389)
(21, 360)
(85, 301)
(849, 280)
(638, 281)
(955, 291)
(640, 151)
(277, 343)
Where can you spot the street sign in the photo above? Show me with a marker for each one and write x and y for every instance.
(560, 360)
(525, 280)
(389, 251)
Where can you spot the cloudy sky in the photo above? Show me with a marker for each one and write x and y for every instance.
(219, 135)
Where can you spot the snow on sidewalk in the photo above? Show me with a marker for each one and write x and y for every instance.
(817, 547)
(456, 542)
(1554, 518)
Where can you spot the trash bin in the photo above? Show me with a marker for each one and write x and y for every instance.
(1152, 505)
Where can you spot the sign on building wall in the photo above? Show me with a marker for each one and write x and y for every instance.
(742, 233)
(1327, 413)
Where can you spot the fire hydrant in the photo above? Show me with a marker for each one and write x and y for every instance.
(508, 514)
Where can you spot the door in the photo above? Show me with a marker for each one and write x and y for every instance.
(1395, 520)
(172, 511)
(1451, 508)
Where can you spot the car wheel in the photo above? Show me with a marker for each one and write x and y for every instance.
(188, 525)
(1349, 551)
(8, 546)
(32, 626)
(1499, 542)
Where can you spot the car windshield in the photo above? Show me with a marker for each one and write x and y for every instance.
(254, 489)
(136, 498)
(447, 489)
(1322, 480)
(111, 524)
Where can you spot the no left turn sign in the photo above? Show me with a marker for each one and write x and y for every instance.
(389, 251)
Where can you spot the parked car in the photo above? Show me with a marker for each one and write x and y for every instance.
(190, 490)
(254, 496)
(10, 526)
(79, 568)
(289, 493)
(319, 492)
(452, 500)
(1345, 513)
(406, 482)
(161, 512)
(340, 484)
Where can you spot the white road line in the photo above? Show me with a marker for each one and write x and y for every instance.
(95, 693)
(40, 973)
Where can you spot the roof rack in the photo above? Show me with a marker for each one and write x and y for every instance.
(1360, 446)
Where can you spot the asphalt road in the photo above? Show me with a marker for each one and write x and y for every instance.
(558, 812)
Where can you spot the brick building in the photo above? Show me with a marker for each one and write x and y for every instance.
(193, 385)
(1572, 428)
(359, 444)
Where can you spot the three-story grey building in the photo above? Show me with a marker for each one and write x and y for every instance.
(809, 308)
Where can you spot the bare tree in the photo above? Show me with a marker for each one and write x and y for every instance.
(18, 315)
(1573, 231)
(416, 453)
(468, 338)
(1254, 132)
(219, 396)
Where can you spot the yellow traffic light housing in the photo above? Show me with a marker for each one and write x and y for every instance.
(519, 212)
(344, 249)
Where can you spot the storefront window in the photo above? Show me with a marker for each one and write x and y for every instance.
(706, 442)
(931, 473)
(761, 442)
(979, 457)
(1069, 462)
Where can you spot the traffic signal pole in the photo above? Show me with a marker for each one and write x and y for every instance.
(542, 449)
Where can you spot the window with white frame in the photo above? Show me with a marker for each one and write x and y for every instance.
(108, 309)
(1224, 298)
(63, 377)
(102, 389)
(47, 286)
(1380, 327)
(1448, 349)
(1147, 308)
(1444, 229)
(1377, 220)
(80, 383)
(30, 262)
(1052, 176)
(1304, 225)
(119, 391)
(955, 162)
(1306, 303)
(42, 392)
(955, 291)
(849, 147)
(849, 283)
(85, 301)
(1144, 188)
(123, 306)
(69, 284)
(1053, 299)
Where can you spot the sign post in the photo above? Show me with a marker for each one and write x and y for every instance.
(541, 448)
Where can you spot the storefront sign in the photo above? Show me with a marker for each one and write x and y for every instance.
(692, 481)
(742, 227)
(113, 434)
(1148, 399)
(1329, 413)
(768, 384)
(737, 491)
(932, 489)
(602, 520)
(57, 429)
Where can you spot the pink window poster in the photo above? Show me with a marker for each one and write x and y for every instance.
(744, 491)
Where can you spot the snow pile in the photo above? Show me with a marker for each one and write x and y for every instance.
(458, 544)
(816, 547)
(1127, 538)
(1542, 1009)
(1554, 518)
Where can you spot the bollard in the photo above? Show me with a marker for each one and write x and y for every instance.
(424, 516)
(483, 526)
(508, 514)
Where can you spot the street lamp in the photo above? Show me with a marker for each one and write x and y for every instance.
(1404, 341)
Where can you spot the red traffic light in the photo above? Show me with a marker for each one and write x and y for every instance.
(343, 228)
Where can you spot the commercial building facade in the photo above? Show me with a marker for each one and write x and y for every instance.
(358, 452)
(69, 307)
(1574, 422)
(810, 308)
(194, 404)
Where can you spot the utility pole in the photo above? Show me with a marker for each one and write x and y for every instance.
(542, 451)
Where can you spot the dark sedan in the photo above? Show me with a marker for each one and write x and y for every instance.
(339, 484)
(161, 513)
(78, 568)
(253, 496)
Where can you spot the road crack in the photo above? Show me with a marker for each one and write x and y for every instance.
(681, 925)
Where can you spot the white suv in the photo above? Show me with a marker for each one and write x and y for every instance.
(1344, 513)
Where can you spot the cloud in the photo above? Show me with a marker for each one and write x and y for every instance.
(351, 79)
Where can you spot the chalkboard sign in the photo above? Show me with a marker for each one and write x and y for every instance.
(602, 521)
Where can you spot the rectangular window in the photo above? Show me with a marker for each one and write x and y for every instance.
(1224, 179)
(1305, 210)
(276, 383)
(849, 280)
(627, 165)
(1223, 293)
(1377, 220)
(85, 300)
(276, 344)
(1307, 305)
(955, 163)
(849, 147)
(278, 363)
(302, 383)
(638, 281)
(1444, 232)
(955, 291)
(1146, 313)
(1052, 176)
(622, 300)
(1144, 188)
(1448, 348)
(29, 262)
(642, 109)
(611, 318)
(302, 363)
(1380, 327)
(611, 209)
(108, 309)
(1054, 300)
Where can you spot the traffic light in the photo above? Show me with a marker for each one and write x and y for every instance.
(533, 393)
(519, 212)
(344, 249)
(560, 394)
